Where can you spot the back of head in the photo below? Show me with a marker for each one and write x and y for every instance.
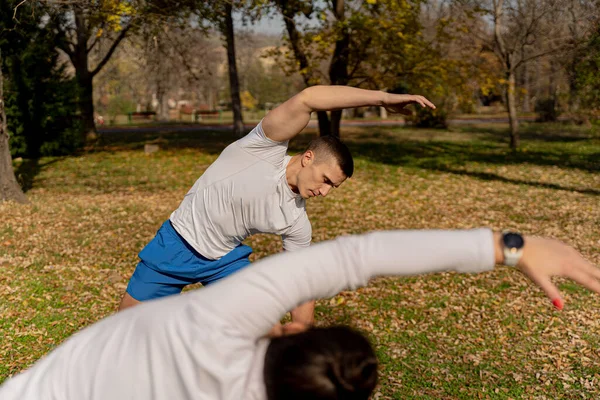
(335, 363)
(327, 147)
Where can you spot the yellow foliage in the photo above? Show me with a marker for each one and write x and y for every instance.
(111, 13)
(248, 101)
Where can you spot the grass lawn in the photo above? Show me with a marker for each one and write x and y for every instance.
(67, 256)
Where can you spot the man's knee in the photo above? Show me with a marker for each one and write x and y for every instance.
(128, 301)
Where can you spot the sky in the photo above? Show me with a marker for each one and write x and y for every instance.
(271, 25)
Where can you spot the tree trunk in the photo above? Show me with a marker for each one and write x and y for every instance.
(526, 89)
(573, 87)
(234, 85)
(163, 102)
(9, 188)
(338, 69)
(336, 118)
(511, 103)
(86, 105)
(288, 11)
(324, 127)
(79, 58)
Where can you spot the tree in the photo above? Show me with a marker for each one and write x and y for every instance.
(352, 44)
(587, 81)
(522, 31)
(97, 26)
(9, 188)
(290, 9)
(226, 25)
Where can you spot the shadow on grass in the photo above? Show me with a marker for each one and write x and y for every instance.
(211, 142)
(29, 169)
(535, 132)
(450, 156)
(427, 149)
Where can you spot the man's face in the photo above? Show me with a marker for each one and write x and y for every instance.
(318, 178)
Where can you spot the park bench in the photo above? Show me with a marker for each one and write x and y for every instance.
(141, 115)
(197, 115)
(200, 115)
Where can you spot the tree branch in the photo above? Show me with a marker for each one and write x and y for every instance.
(96, 40)
(542, 54)
(15, 12)
(183, 58)
(112, 49)
(64, 46)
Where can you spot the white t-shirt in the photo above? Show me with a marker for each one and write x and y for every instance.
(245, 191)
(207, 344)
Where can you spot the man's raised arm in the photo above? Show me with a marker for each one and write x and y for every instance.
(290, 118)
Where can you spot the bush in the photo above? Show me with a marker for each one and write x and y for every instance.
(428, 118)
(41, 109)
(119, 105)
(547, 110)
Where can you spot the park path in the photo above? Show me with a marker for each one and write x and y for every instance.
(311, 124)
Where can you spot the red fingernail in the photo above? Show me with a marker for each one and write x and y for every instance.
(558, 304)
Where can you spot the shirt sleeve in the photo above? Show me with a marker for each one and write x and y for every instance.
(258, 144)
(299, 235)
(254, 299)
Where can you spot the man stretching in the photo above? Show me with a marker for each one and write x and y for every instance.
(253, 187)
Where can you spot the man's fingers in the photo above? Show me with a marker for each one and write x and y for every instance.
(293, 328)
(427, 102)
(548, 287)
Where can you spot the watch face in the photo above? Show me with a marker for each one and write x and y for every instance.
(513, 240)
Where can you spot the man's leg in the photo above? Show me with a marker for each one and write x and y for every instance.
(235, 260)
(146, 284)
(128, 301)
(166, 266)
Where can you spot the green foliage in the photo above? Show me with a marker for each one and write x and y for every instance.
(428, 118)
(547, 110)
(269, 84)
(40, 98)
(119, 105)
(588, 78)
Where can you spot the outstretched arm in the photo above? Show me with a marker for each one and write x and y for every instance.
(253, 300)
(290, 118)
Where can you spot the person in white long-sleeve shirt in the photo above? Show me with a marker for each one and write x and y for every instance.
(211, 343)
(253, 187)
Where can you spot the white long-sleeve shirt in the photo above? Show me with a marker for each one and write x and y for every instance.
(208, 344)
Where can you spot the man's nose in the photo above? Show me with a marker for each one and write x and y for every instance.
(325, 190)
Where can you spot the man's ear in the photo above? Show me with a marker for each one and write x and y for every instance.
(308, 158)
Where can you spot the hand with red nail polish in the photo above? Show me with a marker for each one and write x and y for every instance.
(545, 258)
(558, 304)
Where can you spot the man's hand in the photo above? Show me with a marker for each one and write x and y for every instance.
(544, 258)
(291, 328)
(396, 103)
(304, 314)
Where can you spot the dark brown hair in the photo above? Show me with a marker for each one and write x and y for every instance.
(331, 146)
(336, 363)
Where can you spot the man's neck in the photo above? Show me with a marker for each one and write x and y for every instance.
(291, 172)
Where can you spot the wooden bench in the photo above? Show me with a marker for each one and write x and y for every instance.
(141, 115)
(200, 115)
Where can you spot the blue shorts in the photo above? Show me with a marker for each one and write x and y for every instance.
(168, 264)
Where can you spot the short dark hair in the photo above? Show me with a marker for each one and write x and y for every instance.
(331, 146)
(336, 363)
